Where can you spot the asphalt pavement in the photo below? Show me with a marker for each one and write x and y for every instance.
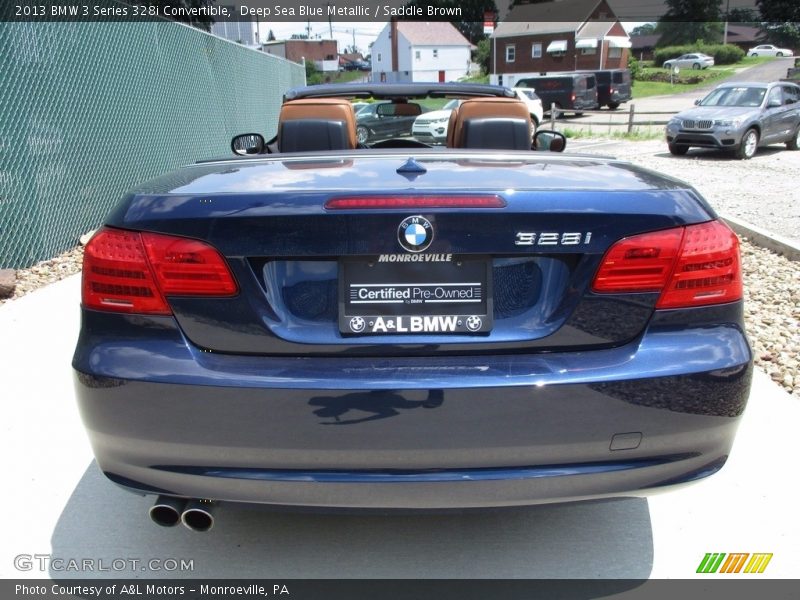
(57, 502)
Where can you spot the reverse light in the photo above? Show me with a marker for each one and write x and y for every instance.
(691, 266)
(132, 272)
(387, 202)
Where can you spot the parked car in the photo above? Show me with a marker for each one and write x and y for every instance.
(357, 65)
(533, 102)
(382, 120)
(613, 87)
(740, 117)
(690, 61)
(769, 50)
(574, 92)
(312, 323)
(431, 127)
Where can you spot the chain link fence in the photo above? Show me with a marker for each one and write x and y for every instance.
(88, 110)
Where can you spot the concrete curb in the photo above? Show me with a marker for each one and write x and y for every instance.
(766, 239)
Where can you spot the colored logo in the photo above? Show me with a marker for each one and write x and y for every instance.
(738, 562)
(415, 233)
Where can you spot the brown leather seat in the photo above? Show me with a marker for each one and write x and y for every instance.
(318, 110)
(488, 109)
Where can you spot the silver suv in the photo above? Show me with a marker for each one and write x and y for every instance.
(740, 117)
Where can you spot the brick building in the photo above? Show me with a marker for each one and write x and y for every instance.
(569, 35)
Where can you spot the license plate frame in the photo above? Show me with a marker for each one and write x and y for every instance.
(392, 295)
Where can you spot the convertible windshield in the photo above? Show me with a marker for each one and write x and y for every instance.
(735, 96)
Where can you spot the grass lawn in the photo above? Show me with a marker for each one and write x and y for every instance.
(642, 89)
(637, 135)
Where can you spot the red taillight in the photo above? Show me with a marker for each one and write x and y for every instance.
(708, 270)
(127, 271)
(573, 97)
(641, 263)
(362, 202)
(691, 266)
(185, 267)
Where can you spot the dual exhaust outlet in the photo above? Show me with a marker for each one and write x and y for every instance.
(197, 515)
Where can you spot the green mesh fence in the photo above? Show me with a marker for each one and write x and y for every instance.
(88, 110)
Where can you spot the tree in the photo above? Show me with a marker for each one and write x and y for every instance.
(646, 29)
(483, 54)
(781, 21)
(743, 16)
(313, 76)
(271, 36)
(688, 21)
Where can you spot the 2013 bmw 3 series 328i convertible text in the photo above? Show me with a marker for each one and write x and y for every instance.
(319, 323)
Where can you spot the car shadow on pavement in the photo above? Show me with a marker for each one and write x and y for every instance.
(107, 524)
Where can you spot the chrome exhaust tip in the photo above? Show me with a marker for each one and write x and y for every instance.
(198, 515)
(167, 510)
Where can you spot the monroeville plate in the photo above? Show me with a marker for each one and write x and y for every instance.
(451, 295)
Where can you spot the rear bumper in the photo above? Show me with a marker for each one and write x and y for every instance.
(460, 431)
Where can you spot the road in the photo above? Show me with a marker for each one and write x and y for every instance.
(59, 503)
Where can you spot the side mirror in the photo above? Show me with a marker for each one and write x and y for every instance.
(248, 143)
(698, 101)
(552, 141)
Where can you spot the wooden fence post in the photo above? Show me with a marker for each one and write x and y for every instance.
(630, 118)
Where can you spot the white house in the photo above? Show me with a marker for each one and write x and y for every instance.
(409, 51)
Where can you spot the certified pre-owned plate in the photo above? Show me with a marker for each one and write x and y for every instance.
(415, 297)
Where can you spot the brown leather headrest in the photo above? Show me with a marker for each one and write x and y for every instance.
(333, 109)
(484, 108)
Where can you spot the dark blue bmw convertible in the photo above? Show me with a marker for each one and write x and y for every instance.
(320, 323)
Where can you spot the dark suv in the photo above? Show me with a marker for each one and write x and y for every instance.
(568, 91)
(613, 87)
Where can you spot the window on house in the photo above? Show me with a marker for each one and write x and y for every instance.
(586, 51)
(435, 53)
(417, 54)
(536, 51)
(379, 57)
(511, 53)
(614, 52)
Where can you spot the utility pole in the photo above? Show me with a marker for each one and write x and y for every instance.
(725, 31)
(330, 25)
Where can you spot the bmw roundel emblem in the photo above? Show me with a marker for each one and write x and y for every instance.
(415, 233)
